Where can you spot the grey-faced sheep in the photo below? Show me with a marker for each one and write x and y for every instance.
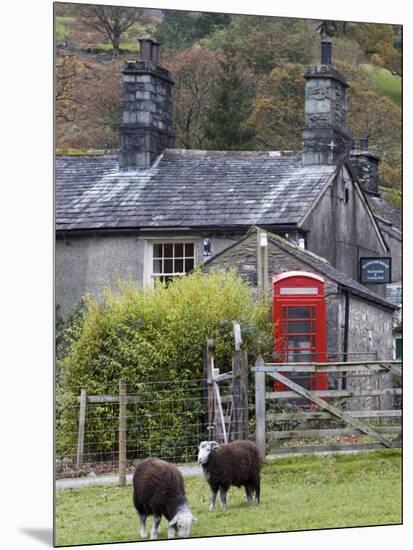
(236, 463)
(158, 490)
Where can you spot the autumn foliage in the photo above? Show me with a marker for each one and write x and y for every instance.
(238, 79)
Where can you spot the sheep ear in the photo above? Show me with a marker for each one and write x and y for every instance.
(214, 445)
(173, 521)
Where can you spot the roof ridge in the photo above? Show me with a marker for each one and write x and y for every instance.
(206, 152)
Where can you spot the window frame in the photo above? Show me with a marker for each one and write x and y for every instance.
(150, 275)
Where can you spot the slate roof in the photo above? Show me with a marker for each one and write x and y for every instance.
(187, 189)
(318, 264)
(387, 215)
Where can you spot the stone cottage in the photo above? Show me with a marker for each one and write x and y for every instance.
(154, 212)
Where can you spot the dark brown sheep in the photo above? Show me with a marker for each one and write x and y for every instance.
(237, 463)
(158, 490)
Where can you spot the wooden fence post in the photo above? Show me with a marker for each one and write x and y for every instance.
(260, 407)
(122, 432)
(240, 394)
(210, 389)
(81, 430)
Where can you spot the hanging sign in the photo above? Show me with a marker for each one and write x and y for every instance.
(375, 271)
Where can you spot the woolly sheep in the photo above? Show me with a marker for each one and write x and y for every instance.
(236, 463)
(158, 490)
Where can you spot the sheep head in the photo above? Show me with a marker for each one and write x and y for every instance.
(182, 522)
(205, 450)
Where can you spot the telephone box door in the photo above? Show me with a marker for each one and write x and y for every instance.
(299, 318)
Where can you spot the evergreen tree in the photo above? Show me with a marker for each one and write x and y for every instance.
(228, 110)
(180, 29)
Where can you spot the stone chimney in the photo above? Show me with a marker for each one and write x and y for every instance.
(147, 106)
(366, 167)
(325, 136)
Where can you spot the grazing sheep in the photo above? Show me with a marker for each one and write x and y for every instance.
(158, 490)
(236, 463)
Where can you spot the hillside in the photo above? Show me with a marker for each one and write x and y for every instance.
(384, 82)
(238, 80)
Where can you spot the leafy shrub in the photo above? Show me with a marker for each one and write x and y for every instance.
(152, 335)
(62, 30)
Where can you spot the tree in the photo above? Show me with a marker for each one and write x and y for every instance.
(194, 72)
(263, 43)
(382, 44)
(278, 110)
(228, 110)
(181, 29)
(110, 21)
(68, 98)
(103, 96)
(377, 118)
(88, 103)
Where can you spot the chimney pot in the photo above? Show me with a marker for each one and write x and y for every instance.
(364, 144)
(145, 49)
(154, 53)
(326, 52)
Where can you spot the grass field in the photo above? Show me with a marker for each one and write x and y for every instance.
(296, 493)
(385, 83)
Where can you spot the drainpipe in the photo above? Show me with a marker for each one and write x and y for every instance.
(345, 338)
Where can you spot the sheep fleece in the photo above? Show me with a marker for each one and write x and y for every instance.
(234, 464)
(158, 488)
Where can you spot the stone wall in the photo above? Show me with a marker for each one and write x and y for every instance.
(371, 330)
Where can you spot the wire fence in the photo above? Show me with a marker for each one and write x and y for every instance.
(111, 428)
(167, 419)
(164, 419)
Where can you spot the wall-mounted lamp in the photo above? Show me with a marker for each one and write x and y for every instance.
(263, 240)
(207, 248)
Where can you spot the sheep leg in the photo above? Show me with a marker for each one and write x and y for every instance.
(257, 493)
(223, 495)
(142, 518)
(155, 526)
(213, 499)
(248, 493)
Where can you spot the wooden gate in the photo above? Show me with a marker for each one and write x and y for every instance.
(327, 405)
(227, 408)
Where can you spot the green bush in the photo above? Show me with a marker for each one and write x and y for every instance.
(149, 336)
(62, 29)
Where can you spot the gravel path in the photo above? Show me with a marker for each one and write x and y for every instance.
(112, 479)
(189, 470)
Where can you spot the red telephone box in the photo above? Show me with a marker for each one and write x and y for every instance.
(299, 320)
